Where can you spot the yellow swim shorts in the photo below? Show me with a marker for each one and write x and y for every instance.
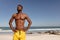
(19, 35)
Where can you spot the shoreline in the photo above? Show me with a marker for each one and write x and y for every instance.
(47, 32)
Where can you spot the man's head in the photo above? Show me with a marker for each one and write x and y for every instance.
(19, 7)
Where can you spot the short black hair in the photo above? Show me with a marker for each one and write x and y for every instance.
(20, 5)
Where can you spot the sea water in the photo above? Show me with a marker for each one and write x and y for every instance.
(32, 29)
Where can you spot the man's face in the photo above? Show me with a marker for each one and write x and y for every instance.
(19, 8)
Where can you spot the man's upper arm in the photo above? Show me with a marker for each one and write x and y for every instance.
(11, 20)
(28, 19)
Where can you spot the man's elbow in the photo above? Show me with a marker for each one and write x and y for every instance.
(30, 22)
(10, 23)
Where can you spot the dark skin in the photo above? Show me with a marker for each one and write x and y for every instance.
(20, 20)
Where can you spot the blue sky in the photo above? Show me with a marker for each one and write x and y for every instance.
(41, 12)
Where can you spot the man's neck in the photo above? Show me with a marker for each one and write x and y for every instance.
(19, 11)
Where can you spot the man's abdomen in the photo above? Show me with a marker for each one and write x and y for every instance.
(19, 24)
(19, 27)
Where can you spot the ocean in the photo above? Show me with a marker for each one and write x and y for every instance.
(32, 29)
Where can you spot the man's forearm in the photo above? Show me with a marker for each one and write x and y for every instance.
(30, 22)
(28, 26)
(11, 26)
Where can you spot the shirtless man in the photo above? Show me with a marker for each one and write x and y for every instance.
(19, 30)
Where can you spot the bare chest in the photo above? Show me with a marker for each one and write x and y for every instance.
(20, 17)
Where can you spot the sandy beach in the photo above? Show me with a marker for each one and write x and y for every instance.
(32, 37)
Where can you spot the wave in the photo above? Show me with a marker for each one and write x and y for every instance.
(5, 30)
(31, 30)
(46, 29)
(0, 29)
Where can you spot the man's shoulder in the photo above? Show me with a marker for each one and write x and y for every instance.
(24, 14)
(14, 14)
